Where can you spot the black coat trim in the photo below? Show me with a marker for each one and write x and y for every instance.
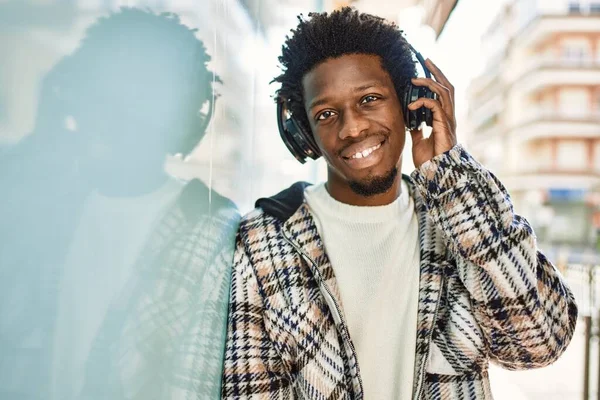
(285, 203)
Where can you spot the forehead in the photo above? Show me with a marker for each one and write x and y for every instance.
(342, 74)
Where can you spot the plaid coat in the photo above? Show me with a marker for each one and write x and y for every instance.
(164, 335)
(485, 294)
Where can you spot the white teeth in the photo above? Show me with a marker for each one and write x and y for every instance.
(366, 152)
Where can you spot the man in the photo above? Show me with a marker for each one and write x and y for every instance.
(377, 285)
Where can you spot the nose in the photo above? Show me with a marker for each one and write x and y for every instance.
(353, 124)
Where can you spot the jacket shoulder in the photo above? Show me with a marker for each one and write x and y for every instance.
(255, 219)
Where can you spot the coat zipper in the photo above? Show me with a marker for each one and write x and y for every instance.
(429, 339)
(330, 300)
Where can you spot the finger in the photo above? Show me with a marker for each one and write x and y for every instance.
(439, 115)
(442, 126)
(439, 76)
(444, 95)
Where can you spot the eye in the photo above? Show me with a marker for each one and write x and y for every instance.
(369, 99)
(324, 115)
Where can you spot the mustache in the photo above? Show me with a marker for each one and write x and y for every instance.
(383, 134)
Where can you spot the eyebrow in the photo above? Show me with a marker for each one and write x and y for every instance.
(324, 100)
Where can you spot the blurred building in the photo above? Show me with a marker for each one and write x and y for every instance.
(534, 114)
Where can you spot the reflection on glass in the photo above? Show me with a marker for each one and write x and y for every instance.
(114, 276)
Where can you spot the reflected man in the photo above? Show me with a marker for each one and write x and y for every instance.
(119, 271)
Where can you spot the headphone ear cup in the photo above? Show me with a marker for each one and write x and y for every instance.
(293, 141)
(287, 138)
(208, 117)
(299, 142)
(285, 128)
(414, 119)
(304, 140)
(411, 119)
(312, 149)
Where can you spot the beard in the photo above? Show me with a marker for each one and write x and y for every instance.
(375, 184)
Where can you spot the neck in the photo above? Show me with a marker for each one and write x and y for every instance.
(344, 194)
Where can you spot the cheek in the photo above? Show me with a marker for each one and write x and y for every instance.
(329, 157)
(328, 152)
(402, 140)
(399, 143)
(325, 144)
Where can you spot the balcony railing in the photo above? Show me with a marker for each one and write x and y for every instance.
(569, 8)
(563, 62)
(549, 62)
(559, 114)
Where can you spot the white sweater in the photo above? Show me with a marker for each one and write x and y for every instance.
(374, 252)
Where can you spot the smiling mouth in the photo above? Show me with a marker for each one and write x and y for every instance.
(365, 153)
(366, 158)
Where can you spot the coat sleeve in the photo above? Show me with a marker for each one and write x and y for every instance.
(521, 302)
(253, 368)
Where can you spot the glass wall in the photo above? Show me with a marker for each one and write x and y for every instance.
(132, 137)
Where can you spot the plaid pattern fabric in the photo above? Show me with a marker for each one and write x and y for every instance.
(485, 293)
(164, 337)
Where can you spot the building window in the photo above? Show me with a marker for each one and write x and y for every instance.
(574, 7)
(572, 155)
(573, 54)
(574, 103)
(576, 51)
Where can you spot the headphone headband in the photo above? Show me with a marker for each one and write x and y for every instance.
(421, 60)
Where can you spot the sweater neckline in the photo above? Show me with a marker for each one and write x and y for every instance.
(357, 214)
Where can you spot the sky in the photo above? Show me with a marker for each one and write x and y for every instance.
(458, 49)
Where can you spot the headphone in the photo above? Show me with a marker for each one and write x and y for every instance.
(206, 119)
(301, 143)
